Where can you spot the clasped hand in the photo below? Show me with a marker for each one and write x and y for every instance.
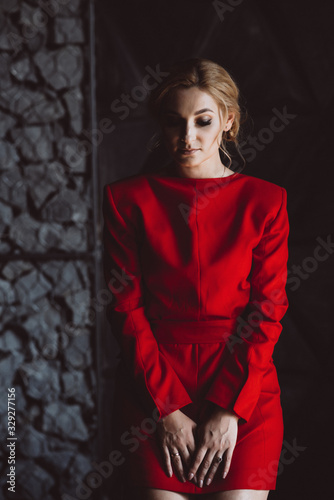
(195, 451)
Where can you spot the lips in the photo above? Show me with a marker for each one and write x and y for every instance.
(188, 151)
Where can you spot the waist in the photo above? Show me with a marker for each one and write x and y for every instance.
(193, 331)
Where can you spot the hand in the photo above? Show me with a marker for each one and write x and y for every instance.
(217, 437)
(176, 435)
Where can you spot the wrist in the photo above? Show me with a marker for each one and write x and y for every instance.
(223, 412)
(170, 416)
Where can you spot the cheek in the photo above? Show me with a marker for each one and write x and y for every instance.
(211, 136)
(216, 134)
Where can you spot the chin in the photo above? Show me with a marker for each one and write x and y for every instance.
(187, 161)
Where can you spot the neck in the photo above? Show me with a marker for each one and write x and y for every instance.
(200, 171)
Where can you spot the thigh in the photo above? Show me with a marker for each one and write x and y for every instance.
(157, 494)
(238, 495)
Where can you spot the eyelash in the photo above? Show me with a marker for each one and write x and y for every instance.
(173, 123)
(204, 123)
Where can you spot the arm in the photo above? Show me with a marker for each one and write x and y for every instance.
(238, 385)
(153, 377)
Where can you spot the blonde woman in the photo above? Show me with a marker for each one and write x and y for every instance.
(196, 259)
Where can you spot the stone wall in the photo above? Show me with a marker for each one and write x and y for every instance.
(46, 245)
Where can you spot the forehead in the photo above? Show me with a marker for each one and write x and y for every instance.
(189, 100)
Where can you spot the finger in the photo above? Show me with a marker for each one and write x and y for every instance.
(213, 469)
(191, 447)
(186, 457)
(178, 466)
(227, 461)
(205, 466)
(191, 453)
(167, 460)
(196, 462)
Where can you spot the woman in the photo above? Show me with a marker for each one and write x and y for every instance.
(196, 256)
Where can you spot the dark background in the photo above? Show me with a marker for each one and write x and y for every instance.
(281, 56)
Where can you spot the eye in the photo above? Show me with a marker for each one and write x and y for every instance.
(173, 121)
(204, 123)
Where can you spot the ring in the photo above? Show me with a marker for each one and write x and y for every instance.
(174, 454)
(219, 459)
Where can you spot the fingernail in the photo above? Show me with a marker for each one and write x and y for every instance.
(190, 476)
(224, 475)
(200, 484)
(208, 481)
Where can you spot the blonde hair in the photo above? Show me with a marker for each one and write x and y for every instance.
(209, 77)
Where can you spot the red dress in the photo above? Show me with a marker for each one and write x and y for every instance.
(197, 270)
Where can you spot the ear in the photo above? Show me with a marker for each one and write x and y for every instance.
(229, 122)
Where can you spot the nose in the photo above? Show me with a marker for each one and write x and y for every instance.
(188, 134)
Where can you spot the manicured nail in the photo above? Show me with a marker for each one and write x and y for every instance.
(208, 481)
(190, 476)
(200, 484)
(224, 475)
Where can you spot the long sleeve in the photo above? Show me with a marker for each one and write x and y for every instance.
(152, 375)
(237, 386)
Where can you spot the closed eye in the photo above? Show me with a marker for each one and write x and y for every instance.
(204, 123)
(174, 122)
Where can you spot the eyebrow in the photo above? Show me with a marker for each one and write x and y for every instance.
(169, 111)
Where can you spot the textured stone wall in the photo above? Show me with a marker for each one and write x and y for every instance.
(46, 247)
